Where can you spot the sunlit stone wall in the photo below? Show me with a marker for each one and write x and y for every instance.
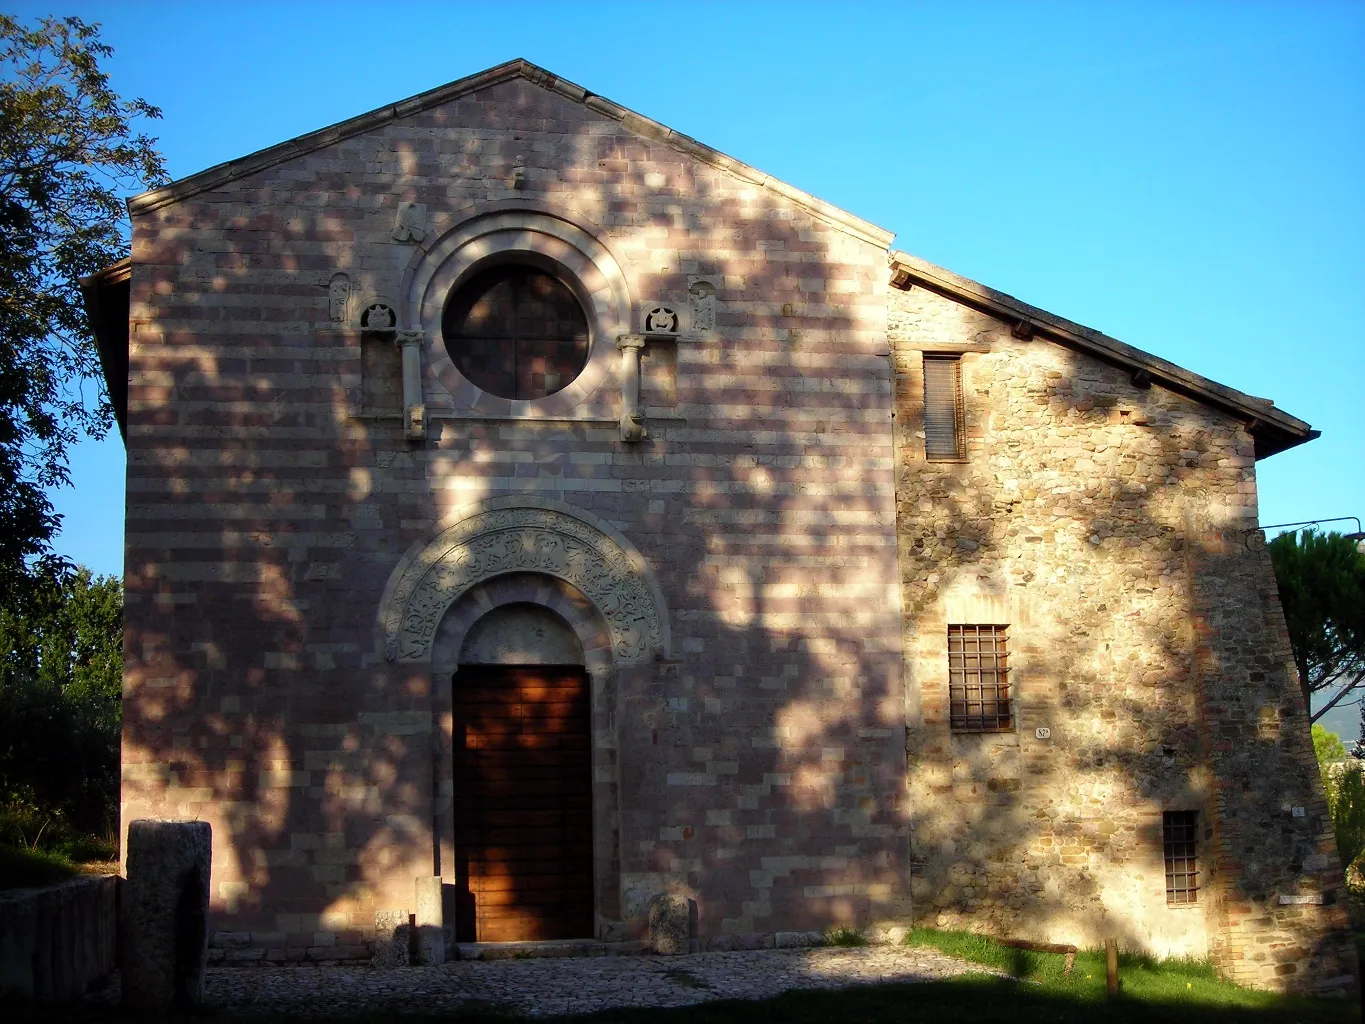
(1111, 527)
(271, 494)
(786, 762)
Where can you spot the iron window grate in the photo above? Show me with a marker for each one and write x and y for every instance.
(978, 679)
(1179, 834)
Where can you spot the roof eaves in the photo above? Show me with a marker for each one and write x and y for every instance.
(225, 173)
(106, 294)
(1275, 430)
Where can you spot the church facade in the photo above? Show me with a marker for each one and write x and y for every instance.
(524, 495)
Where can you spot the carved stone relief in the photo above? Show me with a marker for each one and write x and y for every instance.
(702, 294)
(378, 316)
(661, 320)
(522, 540)
(410, 222)
(338, 297)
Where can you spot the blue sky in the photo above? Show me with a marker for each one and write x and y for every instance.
(1189, 178)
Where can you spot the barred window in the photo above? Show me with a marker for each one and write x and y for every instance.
(1179, 835)
(978, 679)
(945, 436)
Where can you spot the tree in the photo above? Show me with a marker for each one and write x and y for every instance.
(1322, 588)
(1327, 746)
(61, 682)
(66, 149)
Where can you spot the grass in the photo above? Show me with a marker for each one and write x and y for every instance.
(847, 937)
(1179, 989)
(39, 849)
(21, 868)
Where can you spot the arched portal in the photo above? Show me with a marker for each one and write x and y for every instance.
(521, 757)
(543, 567)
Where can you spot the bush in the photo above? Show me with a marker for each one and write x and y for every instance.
(1345, 786)
(26, 827)
(1343, 782)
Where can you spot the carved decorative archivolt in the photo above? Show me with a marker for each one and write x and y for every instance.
(491, 543)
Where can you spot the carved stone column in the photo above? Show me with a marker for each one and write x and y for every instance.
(414, 411)
(632, 422)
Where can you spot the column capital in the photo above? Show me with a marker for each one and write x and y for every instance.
(405, 338)
(630, 341)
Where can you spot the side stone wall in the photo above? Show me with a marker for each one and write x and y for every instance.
(271, 494)
(57, 940)
(1278, 897)
(1105, 524)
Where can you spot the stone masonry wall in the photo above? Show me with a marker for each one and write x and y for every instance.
(775, 765)
(1279, 900)
(270, 497)
(1106, 525)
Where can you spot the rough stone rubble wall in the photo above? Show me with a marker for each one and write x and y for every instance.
(764, 777)
(1279, 899)
(1106, 525)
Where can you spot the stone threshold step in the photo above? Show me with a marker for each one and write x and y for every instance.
(528, 950)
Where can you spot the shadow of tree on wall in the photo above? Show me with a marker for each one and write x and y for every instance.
(252, 697)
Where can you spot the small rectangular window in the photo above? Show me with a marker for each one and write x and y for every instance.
(1178, 831)
(945, 438)
(978, 679)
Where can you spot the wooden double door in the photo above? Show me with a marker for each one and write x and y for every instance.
(522, 803)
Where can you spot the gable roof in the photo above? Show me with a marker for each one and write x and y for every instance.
(222, 174)
(1273, 429)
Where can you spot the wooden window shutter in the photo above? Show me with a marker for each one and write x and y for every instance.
(945, 438)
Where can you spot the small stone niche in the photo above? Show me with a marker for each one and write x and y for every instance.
(659, 374)
(381, 374)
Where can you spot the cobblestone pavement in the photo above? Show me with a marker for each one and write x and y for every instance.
(562, 985)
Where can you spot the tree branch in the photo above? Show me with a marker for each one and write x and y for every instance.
(1354, 684)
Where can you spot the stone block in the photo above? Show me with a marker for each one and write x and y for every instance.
(893, 935)
(230, 940)
(798, 940)
(670, 924)
(431, 936)
(393, 939)
(752, 940)
(165, 913)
